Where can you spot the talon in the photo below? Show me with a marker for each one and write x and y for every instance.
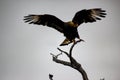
(82, 40)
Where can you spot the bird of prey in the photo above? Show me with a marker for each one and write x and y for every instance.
(69, 29)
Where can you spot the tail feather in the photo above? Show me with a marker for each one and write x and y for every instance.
(66, 42)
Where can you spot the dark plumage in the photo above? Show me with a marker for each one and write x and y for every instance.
(69, 29)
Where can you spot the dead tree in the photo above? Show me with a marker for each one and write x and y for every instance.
(72, 63)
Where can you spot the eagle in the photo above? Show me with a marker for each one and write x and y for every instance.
(70, 28)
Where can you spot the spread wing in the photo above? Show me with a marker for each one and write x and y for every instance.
(90, 15)
(46, 19)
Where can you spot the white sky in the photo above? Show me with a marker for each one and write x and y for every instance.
(25, 49)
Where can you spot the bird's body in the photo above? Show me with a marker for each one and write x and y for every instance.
(70, 32)
(69, 29)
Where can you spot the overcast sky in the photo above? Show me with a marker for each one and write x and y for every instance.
(25, 49)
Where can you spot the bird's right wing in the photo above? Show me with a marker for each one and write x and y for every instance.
(46, 19)
(90, 15)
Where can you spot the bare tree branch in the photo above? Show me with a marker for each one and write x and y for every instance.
(63, 51)
(55, 58)
(73, 63)
(71, 48)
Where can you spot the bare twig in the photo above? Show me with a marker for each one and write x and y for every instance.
(63, 51)
(56, 56)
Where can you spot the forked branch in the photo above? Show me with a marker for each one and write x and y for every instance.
(72, 63)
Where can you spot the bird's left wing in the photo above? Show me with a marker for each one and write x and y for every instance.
(90, 15)
(46, 19)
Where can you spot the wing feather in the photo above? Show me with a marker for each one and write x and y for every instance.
(90, 15)
(46, 19)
